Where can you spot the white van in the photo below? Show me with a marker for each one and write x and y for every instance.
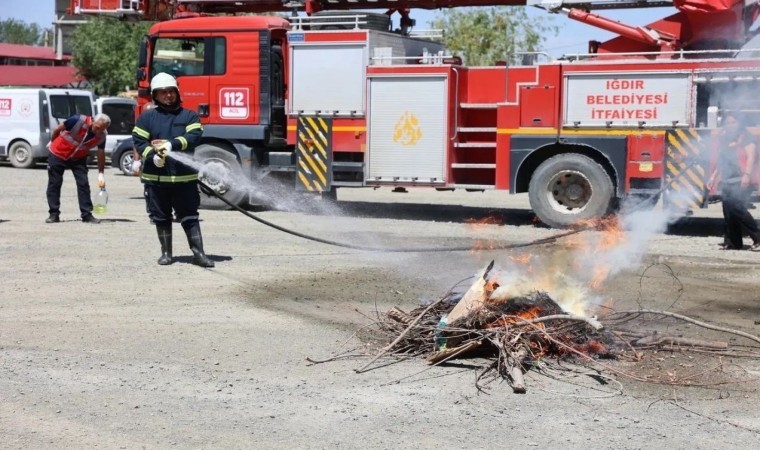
(121, 110)
(28, 117)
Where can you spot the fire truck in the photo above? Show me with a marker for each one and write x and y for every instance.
(338, 99)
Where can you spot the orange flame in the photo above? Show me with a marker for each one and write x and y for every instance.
(477, 224)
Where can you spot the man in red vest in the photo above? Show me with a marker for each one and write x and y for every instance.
(70, 144)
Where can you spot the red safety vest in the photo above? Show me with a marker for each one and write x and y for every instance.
(71, 144)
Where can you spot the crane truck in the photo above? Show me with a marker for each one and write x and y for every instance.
(337, 98)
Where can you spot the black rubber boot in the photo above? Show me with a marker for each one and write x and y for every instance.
(195, 240)
(165, 238)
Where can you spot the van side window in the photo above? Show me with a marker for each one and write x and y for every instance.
(64, 106)
(122, 117)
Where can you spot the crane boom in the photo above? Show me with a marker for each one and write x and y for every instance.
(697, 24)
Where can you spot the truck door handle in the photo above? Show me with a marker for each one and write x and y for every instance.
(203, 110)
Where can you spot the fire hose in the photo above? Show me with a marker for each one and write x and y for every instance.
(208, 190)
(547, 240)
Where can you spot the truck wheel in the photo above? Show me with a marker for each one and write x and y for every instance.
(20, 155)
(125, 162)
(223, 174)
(569, 188)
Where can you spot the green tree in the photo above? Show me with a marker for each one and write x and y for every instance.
(105, 52)
(13, 31)
(483, 36)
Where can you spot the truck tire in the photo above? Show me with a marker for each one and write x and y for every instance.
(20, 155)
(569, 188)
(221, 171)
(375, 21)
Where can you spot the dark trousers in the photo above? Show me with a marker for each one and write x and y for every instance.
(738, 220)
(183, 198)
(56, 166)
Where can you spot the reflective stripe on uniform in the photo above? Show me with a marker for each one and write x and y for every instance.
(169, 178)
(182, 141)
(140, 132)
(194, 126)
(146, 151)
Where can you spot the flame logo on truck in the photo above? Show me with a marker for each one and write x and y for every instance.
(407, 130)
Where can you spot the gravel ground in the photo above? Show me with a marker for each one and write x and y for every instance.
(100, 347)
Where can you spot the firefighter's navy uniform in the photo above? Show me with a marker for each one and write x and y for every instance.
(170, 184)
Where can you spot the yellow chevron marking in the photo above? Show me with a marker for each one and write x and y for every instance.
(319, 173)
(314, 129)
(305, 181)
(675, 143)
(323, 123)
(316, 142)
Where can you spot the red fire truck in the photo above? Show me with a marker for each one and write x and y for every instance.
(337, 99)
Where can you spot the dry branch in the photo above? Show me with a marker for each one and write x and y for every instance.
(445, 355)
(655, 339)
(401, 336)
(695, 322)
(595, 324)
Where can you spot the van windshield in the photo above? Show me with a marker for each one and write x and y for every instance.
(65, 106)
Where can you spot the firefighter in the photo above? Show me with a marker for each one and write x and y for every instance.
(70, 144)
(170, 184)
(736, 158)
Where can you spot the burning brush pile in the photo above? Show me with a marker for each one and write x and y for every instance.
(533, 317)
(515, 333)
(538, 312)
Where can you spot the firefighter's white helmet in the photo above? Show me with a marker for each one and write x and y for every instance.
(162, 81)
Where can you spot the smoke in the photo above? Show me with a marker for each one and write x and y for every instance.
(281, 194)
(575, 273)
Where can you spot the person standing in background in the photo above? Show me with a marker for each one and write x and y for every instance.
(736, 159)
(70, 144)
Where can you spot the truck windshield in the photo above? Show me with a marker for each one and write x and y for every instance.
(182, 57)
(65, 106)
(178, 57)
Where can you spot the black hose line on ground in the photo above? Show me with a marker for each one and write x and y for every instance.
(207, 190)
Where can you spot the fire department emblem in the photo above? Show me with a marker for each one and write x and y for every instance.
(407, 130)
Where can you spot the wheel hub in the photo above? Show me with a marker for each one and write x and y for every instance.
(215, 174)
(22, 154)
(569, 192)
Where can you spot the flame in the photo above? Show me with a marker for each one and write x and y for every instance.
(479, 224)
(533, 312)
(482, 245)
(523, 260)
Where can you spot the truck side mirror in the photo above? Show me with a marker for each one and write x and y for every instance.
(142, 54)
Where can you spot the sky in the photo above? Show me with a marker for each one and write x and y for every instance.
(573, 36)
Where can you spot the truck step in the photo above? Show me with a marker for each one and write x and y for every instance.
(478, 187)
(472, 166)
(476, 129)
(475, 144)
(478, 105)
